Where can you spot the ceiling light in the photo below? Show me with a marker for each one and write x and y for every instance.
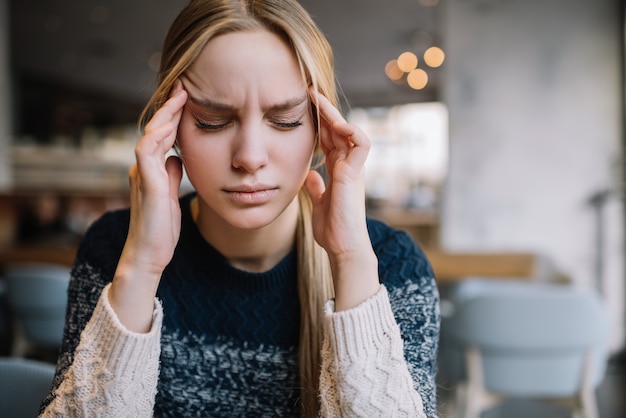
(434, 57)
(417, 79)
(407, 61)
(393, 71)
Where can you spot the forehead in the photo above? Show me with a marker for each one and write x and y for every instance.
(238, 67)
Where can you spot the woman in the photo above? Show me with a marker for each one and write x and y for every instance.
(260, 293)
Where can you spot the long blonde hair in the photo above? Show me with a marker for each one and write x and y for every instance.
(197, 23)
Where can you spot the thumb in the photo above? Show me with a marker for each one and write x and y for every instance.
(174, 169)
(314, 185)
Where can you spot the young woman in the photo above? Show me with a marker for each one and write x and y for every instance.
(266, 292)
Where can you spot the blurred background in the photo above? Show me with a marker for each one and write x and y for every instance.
(497, 129)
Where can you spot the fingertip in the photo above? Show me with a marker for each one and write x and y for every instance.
(174, 168)
(133, 171)
(173, 162)
(314, 184)
(133, 175)
(178, 89)
(181, 93)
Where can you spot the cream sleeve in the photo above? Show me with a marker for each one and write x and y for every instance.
(114, 372)
(364, 372)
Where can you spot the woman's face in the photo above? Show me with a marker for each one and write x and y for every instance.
(246, 136)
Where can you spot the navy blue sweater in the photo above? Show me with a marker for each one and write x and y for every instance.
(229, 339)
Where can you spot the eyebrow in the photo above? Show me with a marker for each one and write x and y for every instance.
(223, 107)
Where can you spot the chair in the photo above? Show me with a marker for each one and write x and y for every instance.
(23, 385)
(525, 340)
(37, 295)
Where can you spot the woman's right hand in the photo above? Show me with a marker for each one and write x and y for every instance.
(154, 217)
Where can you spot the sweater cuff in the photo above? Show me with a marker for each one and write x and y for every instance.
(370, 325)
(119, 346)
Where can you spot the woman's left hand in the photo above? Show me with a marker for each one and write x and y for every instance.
(339, 219)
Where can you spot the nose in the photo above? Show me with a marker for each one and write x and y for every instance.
(250, 149)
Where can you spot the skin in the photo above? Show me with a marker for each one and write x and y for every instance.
(246, 136)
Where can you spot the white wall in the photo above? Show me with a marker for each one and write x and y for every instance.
(5, 98)
(534, 94)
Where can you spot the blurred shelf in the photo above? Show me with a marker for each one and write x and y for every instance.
(62, 169)
(48, 255)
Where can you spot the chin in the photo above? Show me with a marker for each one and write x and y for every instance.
(251, 218)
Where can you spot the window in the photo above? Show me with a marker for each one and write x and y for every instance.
(408, 161)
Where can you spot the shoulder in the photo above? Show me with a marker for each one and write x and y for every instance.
(102, 244)
(402, 266)
(396, 250)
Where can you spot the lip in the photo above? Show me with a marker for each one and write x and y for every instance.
(251, 194)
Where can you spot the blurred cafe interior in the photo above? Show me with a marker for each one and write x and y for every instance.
(497, 131)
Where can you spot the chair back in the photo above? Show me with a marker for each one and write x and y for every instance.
(23, 385)
(533, 338)
(37, 293)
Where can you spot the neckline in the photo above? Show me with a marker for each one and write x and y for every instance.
(193, 243)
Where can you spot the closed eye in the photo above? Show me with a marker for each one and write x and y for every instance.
(287, 125)
(211, 126)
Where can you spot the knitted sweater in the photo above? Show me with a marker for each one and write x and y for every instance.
(224, 342)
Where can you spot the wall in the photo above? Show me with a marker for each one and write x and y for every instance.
(534, 95)
(5, 98)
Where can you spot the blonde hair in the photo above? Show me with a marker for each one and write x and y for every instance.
(197, 23)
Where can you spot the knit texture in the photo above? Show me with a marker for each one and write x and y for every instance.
(228, 338)
(124, 374)
(366, 339)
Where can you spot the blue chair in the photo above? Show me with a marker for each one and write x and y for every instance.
(525, 340)
(23, 385)
(37, 295)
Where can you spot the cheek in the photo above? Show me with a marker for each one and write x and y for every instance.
(194, 153)
(299, 151)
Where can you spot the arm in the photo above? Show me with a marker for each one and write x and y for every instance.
(155, 217)
(364, 373)
(114, 371)
(362, 331)
(134, 269)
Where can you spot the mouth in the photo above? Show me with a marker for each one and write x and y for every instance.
(251, 194)
(249, 188)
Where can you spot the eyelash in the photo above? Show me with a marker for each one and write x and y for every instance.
(288, 125)
(216, 127)
(210, 127)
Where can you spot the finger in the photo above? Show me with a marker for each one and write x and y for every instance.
(314, 185)
(161, 131)
(135, 189)
(327, 110)
(151, 167)
(361, 146)
(334, 124)
(329, 115)
(178, 85)
(133, 178)
(157, 141)
(326, 142)
(174, 169)
(354, 134)
(171, 109)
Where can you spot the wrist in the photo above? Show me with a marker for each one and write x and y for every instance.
(355, 278)
(132, 295)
